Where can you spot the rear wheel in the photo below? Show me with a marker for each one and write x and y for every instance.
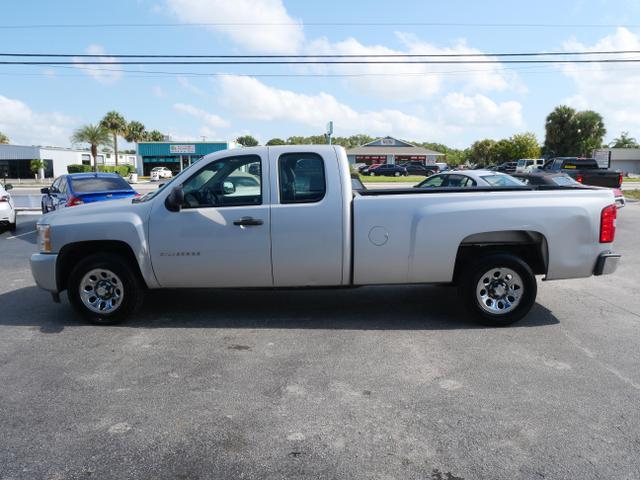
(104, 289)
(396, 174)
(13, 226)
(499, 289)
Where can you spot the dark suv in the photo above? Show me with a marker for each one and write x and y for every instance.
(419, 168)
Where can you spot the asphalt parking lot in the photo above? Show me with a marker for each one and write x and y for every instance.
(380, 382)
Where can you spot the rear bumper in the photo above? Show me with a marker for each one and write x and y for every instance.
(607, 263)
(43, 269)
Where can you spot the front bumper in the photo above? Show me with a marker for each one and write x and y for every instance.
(607, 263)
(43, 269)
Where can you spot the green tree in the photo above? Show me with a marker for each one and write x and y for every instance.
(569, 133)
(276, 141)
(153, 136)
(117, 125)
(590, 131)
(247, 141)
(3, 138)
(482, 151)
(501, 152)
(623, 141)
(94, 135)
(35, 165)
(135, 132)
(524, 145)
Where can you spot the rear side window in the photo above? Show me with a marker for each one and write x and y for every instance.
(100, 184)
(565, 181)
(302, 178)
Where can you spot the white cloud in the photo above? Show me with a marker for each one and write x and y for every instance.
(481, 111)
(610, 89)
(283, 34)
(24, 126)
(187, 85)
(158, 91)
(410, 82)
(211, 120)
(249, 98)
(102, 73)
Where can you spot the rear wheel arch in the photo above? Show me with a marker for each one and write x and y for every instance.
(73, 253)
(530, 246)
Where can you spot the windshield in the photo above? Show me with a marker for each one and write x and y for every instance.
(99, 184)
(565, 181)
(148, 196)
(501, 181)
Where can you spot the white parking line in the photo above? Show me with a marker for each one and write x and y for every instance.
(21, 235)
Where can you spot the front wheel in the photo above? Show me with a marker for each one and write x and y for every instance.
(105, 289)
(499, 289)
(396, 174)
(372, 174)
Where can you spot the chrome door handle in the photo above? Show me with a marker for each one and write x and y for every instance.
(248, 221)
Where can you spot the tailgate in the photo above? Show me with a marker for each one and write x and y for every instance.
(600, 178)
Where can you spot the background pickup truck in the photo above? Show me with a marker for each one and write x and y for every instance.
(287, 216)
(585, 171)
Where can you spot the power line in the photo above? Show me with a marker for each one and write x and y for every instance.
(355, 55)
(320, 62)
(313, 24)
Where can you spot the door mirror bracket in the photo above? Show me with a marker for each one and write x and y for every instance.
(175, 199)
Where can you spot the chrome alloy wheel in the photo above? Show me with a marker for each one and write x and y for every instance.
(499, 290)
(101, 291)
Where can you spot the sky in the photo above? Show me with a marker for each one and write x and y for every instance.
(450, 104)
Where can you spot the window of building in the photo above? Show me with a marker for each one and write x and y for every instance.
(301, 177)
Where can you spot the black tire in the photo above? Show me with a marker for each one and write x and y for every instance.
(132, 288)
(44, 209)
(472, 275)
(13, 226)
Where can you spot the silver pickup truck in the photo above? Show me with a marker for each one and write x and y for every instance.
(286, 216)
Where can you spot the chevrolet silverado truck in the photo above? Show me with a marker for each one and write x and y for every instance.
(287, 216)
(584, 170)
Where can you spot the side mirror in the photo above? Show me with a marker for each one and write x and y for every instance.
(175, 199)
(228, 188)
(44, 191)
(160, 185)
(8, 186)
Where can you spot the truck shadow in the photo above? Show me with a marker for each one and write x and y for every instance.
(412, 307)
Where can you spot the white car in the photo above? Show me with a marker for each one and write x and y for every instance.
(7, 208)
(470, 178)
(160, 172)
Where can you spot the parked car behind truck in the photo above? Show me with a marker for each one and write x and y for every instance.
(306, 227)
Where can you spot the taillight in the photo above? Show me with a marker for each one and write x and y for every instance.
(608, 223)
(579, 178)
(4, 198)
(619, 179)
(73, 201)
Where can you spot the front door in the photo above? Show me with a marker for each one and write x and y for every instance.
(220, 237)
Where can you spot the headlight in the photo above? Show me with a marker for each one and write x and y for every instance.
(44, 238)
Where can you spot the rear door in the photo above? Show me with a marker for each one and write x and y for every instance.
(307, 217)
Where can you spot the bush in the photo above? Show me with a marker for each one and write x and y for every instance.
(76, 168)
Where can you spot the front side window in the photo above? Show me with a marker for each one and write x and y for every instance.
(460, 181)
(302, 178)
(225, 183)
(435, 181)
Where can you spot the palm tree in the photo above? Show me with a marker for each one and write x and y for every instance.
(624, 141)
(135, 132)
(116, 124)
(94, 135)
(154, 136)
(3, 138)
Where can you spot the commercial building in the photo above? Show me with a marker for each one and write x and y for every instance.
(625, 160)
(15, 160)
(391, 150)
(176, 156)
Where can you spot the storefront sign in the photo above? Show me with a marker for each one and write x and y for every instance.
(182, 149)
